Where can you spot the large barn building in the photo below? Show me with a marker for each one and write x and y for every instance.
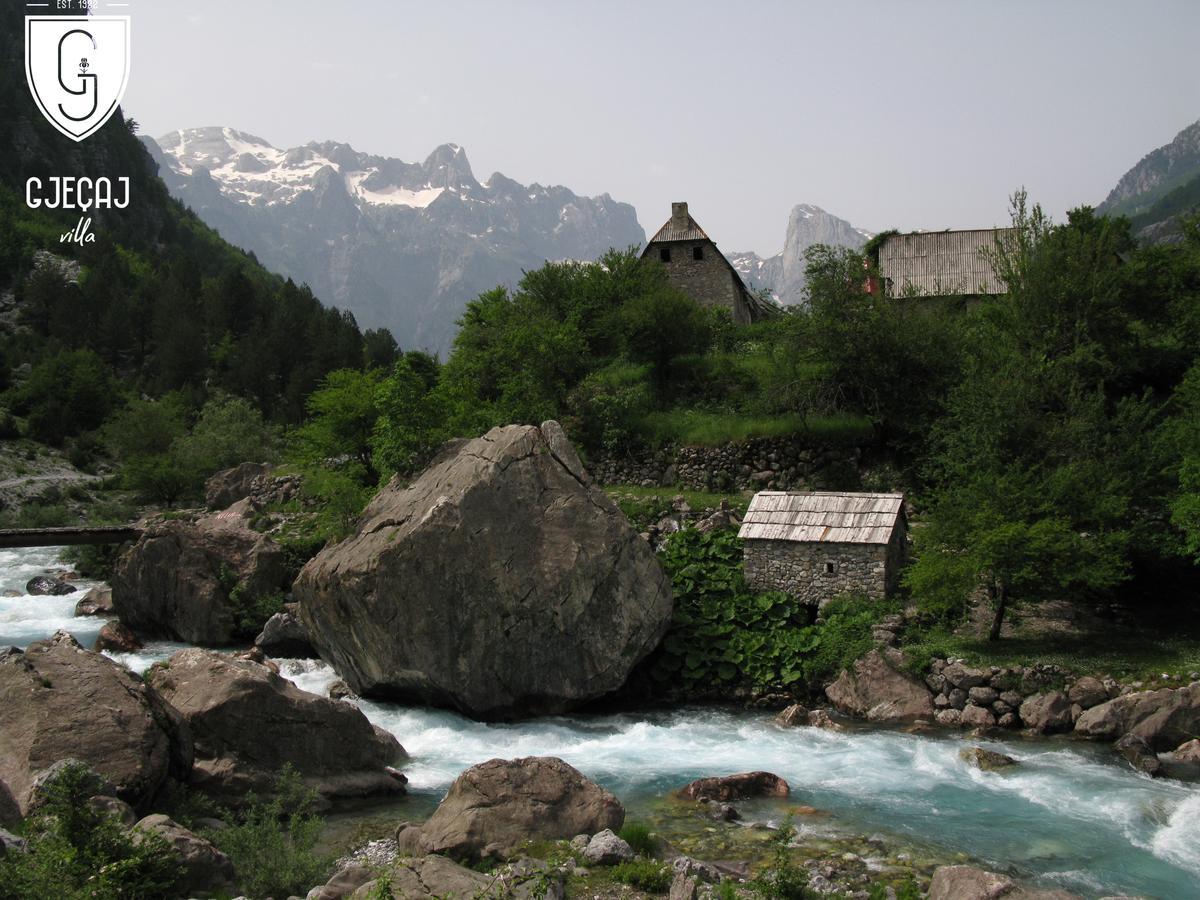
(940, 263)
(697, 268)
(817, 545)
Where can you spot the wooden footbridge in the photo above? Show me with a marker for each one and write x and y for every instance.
(63, 537)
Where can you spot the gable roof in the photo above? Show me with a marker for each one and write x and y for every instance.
(828, 517)
(931, 263)
(675, 230)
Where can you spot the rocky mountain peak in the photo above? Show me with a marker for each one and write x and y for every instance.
(1158, 172)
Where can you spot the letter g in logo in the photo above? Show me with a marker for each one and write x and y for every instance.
(77, 68)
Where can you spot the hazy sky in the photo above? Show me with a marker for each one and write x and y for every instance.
(904, 114)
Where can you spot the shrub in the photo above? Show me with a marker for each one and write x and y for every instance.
(272, 843)
(783, 879)
(79, 853)
(644, 875)
(638, 836)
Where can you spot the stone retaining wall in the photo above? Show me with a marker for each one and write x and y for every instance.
(786, 464)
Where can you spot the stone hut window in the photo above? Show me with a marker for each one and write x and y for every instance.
(830, 568)
(664, 253)
(697, 253)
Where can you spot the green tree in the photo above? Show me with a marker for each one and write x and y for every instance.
(411, 423)
(230, 430)
(66, 394)
(342, 414)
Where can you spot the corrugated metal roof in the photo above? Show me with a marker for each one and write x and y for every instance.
(931, 263)
(676, 230)
(829, 517)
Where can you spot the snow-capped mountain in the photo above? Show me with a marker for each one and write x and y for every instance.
(401, 245)
(783, 273)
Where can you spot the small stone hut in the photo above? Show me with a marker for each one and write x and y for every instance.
(817, 545)
(697, 268)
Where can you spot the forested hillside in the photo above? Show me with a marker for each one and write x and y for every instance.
(157, 307)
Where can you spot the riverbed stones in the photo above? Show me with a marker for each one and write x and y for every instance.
(986, 760)
(1088, 692)
(743, 786)
(1164, 718)
(1047, 713)
(205, 868)
(117, 638)
(794, 715)
(982, 695)
(976, 717)
(495, 807)
(248, 723)
(96, 602)
(970, 883)
(502, 583)
(1188, 752)
(961, 676)
(44, 586)
(607, 849)
(878, 690)
(344, 882)
(58, 700)
(1138, 754)
(436, 878)
(186, 580)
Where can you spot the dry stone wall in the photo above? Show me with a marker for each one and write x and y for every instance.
(784, 464)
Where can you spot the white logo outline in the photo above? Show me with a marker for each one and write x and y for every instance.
(76, 128)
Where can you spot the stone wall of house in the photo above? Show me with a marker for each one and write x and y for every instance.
(815, 573)
(709, 280)
(782, 464)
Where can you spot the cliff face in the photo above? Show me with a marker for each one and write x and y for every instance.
(783, 273)
(1158, 173)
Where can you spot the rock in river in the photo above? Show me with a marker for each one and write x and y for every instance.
(501, 582)
(1164, 719)
(879, 691)
(248, 722)
(58, 700)
(183, 579)
(743, 786)
(495, 807)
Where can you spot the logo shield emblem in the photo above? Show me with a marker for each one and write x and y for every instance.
(77, 68)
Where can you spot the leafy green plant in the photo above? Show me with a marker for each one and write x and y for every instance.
(782, 879)
(77, 852)
(272, 843)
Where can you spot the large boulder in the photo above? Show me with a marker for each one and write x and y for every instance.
(188, 580)
(229, 486)
(248, 723)
(495, 807)
(1164, 719)
(879, 691)
(58, 700)
(501, 583)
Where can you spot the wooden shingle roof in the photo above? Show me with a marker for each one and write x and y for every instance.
(828, 517)
(933, 263)
(676, 230)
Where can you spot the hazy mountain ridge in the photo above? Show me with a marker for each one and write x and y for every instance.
(1157, 174)
(783, 273)
(401, 245)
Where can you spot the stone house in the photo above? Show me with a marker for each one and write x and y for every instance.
(938, 263)
(697, 268)
(817, 545)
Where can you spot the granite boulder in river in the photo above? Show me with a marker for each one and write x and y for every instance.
(501, 583)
